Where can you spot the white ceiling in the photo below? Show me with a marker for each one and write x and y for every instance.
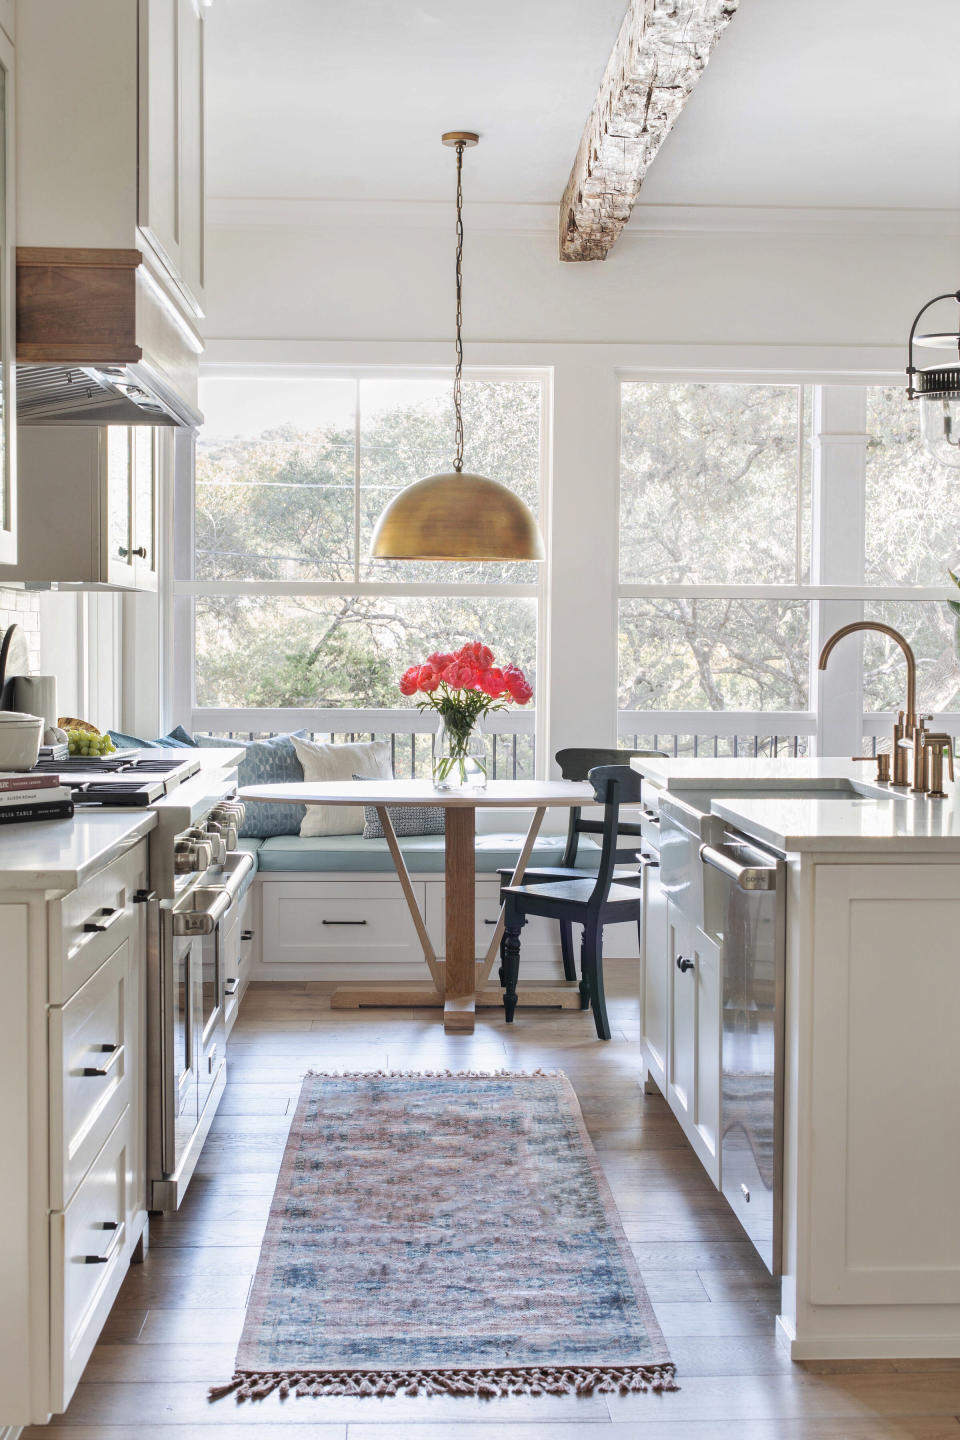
(805, 102)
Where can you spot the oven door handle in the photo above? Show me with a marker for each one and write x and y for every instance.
(205, 920)
(237, 866)
(747, 877)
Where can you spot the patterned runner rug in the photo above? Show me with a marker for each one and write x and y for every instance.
(445, 1234)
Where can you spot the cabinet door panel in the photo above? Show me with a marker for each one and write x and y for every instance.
(8, 468)
(159, 200)
(706, 954)
(121, 561)
(683, 1010)
(147, 444)
(655, 994)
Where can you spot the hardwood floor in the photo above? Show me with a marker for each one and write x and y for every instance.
(175, 1327)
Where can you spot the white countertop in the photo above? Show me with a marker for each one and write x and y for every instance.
(876, 818)
(60, 855)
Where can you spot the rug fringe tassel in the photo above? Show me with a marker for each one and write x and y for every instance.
(489, 1384)
(434, 1074)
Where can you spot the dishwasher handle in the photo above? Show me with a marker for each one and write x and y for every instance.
(747, 877)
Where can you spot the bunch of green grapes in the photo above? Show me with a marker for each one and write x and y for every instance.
(81, 742)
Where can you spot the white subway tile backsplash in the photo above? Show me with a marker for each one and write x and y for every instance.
(22, 607)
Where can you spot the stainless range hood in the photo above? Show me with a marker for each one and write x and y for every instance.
(98, 395)
(101, 342)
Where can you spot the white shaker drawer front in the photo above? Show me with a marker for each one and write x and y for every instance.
(86, 925)
(538, 936)
(360, 922)
(88, 1258)
(89, 1072)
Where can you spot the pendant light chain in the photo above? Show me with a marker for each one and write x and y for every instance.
(458, 372)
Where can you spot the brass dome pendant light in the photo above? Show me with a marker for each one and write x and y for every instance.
(457, 516)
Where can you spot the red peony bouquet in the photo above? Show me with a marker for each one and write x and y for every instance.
(462, 687)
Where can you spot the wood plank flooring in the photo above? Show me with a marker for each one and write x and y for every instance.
(176, 1323)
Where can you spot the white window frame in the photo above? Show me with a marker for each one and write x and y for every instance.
(185, 588)
(834, 722)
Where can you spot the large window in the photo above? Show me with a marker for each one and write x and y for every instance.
(289, 613)
(722, 526)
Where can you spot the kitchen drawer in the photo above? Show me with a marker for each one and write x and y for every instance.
(89, 1251)
(88, 1035)
(107, 901)
(365, 922)
(538, 937)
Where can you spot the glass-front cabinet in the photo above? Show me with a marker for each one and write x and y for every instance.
(132, 459)
(8, 470)
(89, 505)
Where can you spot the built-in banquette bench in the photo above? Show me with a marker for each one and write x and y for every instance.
(329, 907)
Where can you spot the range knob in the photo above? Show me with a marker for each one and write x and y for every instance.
(203, 845)
(218, 844)
(185, 858)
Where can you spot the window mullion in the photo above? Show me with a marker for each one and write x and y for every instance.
(356, 481)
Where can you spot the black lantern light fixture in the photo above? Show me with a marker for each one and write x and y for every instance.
(937, 387)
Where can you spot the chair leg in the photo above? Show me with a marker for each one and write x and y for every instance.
(566, 950)
(592, 953)
(585, 986)
(510, 963)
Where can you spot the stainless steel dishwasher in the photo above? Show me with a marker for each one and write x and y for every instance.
(745, 904)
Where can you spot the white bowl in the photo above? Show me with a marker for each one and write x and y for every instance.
(20, 737)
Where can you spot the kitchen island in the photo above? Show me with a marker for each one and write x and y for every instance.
(864, 1162)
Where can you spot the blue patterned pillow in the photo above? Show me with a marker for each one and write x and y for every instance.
(405, 819)
(178, 739)
(266, 762)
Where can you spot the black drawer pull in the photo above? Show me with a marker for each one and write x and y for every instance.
(246, 934)
(115, 1052)
(343, 922)
(491, 922)
(115, 1244)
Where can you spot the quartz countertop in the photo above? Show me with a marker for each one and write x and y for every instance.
(61, 855)
(860, 815)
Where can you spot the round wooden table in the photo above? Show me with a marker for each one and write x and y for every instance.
(457, 980)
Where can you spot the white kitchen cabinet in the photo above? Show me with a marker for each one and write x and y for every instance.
(693, 1049)
(655, 982)
(171, 175)
(8, 457)
(73, 1050)
(90, 504)
(885, 1063)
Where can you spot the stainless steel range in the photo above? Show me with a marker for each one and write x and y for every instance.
(197, 875)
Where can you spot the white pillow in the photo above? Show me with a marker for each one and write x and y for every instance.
(340, 762)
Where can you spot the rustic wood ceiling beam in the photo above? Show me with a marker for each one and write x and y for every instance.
(659, 55)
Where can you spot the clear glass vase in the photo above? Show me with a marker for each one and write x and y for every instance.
(459, 758)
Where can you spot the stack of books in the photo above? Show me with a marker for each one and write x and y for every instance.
(33, 797)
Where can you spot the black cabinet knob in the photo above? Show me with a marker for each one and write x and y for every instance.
(683, 964)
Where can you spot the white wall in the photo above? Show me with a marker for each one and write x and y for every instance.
(806, 296)
(376, 273)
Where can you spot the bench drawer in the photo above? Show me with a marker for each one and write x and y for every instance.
(361, 923)
(87, 924)
(89, 1250)
(90, 1053)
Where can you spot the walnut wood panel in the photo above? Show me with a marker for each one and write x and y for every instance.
(658, 57)
(76, 305)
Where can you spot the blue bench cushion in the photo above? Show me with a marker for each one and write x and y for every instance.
(249, 846)
(423, 853)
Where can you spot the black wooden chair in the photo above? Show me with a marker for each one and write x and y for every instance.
(575, 764)
(589, 900)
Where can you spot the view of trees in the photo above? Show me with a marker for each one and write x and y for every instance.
(715, 488)
(299, 503)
